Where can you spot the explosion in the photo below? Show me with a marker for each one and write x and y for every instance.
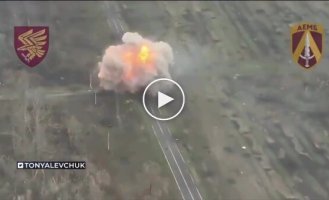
(132, 65)
(144, 53)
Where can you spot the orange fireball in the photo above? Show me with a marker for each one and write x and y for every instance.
(144, 54)
(137, 59)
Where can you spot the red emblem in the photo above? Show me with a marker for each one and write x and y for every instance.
(31, 44)
(307, 42)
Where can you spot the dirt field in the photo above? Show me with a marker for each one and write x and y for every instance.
(255, 125)
(124, 160)
(264, 118)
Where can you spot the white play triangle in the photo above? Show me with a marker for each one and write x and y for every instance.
(163, 99)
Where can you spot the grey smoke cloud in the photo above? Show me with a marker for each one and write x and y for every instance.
(130, 66)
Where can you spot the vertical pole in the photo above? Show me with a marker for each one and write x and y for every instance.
(95, 97)
(108, 140)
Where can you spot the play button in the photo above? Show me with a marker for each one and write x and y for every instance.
(163, 99)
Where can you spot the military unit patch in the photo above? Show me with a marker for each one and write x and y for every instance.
(307, 41)
(31, 44)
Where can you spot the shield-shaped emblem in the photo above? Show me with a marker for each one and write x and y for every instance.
(307, 42)
(31, 43)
